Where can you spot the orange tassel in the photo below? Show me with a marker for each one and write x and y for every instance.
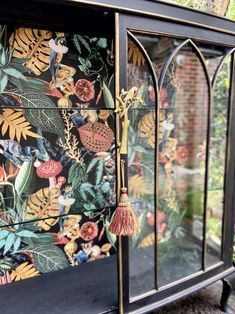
(125, 220)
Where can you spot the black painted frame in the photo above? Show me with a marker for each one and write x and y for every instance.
(151, 16)
(159, 297)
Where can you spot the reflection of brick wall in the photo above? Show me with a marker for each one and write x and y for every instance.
(191, 105)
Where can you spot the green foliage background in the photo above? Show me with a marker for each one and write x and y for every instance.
(203, 5)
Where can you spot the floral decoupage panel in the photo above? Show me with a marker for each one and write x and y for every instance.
(57, 151)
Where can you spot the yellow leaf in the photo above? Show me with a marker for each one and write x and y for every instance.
(24, 271)
(134, 52)
(15, 123)
(147, 127)
(137, 186)
(43, 204)
(149, 240)
(33, 44)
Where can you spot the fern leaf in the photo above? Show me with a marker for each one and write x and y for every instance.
(15, 123)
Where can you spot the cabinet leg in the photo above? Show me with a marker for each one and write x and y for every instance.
(228, 287)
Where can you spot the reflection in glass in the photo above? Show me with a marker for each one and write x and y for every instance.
(181, 172)
(217, 157)
(181, 180)
(213, 55)
(141, 173)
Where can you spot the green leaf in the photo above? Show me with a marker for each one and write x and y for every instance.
(48, 118)
(21, 68)
(89, 207)
(108, 98)
(36, 84)
(26, 234)
(81, 60)
(77, 175)
(45, 238)
(99, 171)
(3, 82)
(24, 177)
(105, 187)
(83, 42)
(76, 43)
(2, 243)
(86, 188)
(3, 57)
(9, 242)
(82, 67)
(3, 234)
(139, 149)
(91, 165)
(47, 257)
(17, 244)
(15, 73)
(112, 238)
(102, 43)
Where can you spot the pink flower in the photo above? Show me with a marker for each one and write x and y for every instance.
(182, 154)
(151, 93)
(3, 174)
(163, 96)
(89, 231)
(161, 222)
(84, 90)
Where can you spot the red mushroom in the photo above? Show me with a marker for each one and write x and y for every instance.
(49, 170)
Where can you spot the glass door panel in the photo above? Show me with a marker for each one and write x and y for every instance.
(141, 172)
(172, 157)
(177, 159)
(217, 159)
(182, 198)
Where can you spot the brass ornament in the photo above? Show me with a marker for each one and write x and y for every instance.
(124, 101)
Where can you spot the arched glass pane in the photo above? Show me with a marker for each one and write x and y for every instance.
(141, 172)
(181, 177)
(213, 55)
(217, 157)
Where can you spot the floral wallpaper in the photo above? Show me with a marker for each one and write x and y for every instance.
(57, 151)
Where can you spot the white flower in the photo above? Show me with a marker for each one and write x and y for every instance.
(167, 125)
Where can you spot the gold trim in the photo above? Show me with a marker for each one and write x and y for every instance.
(176, 282)
(176, 35)
(155, 305)
(155, 15)
(118, 157)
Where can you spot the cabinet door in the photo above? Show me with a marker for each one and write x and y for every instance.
(177, 159)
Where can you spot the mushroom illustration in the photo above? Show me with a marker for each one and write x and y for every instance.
(49, 170)
(105, 248)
